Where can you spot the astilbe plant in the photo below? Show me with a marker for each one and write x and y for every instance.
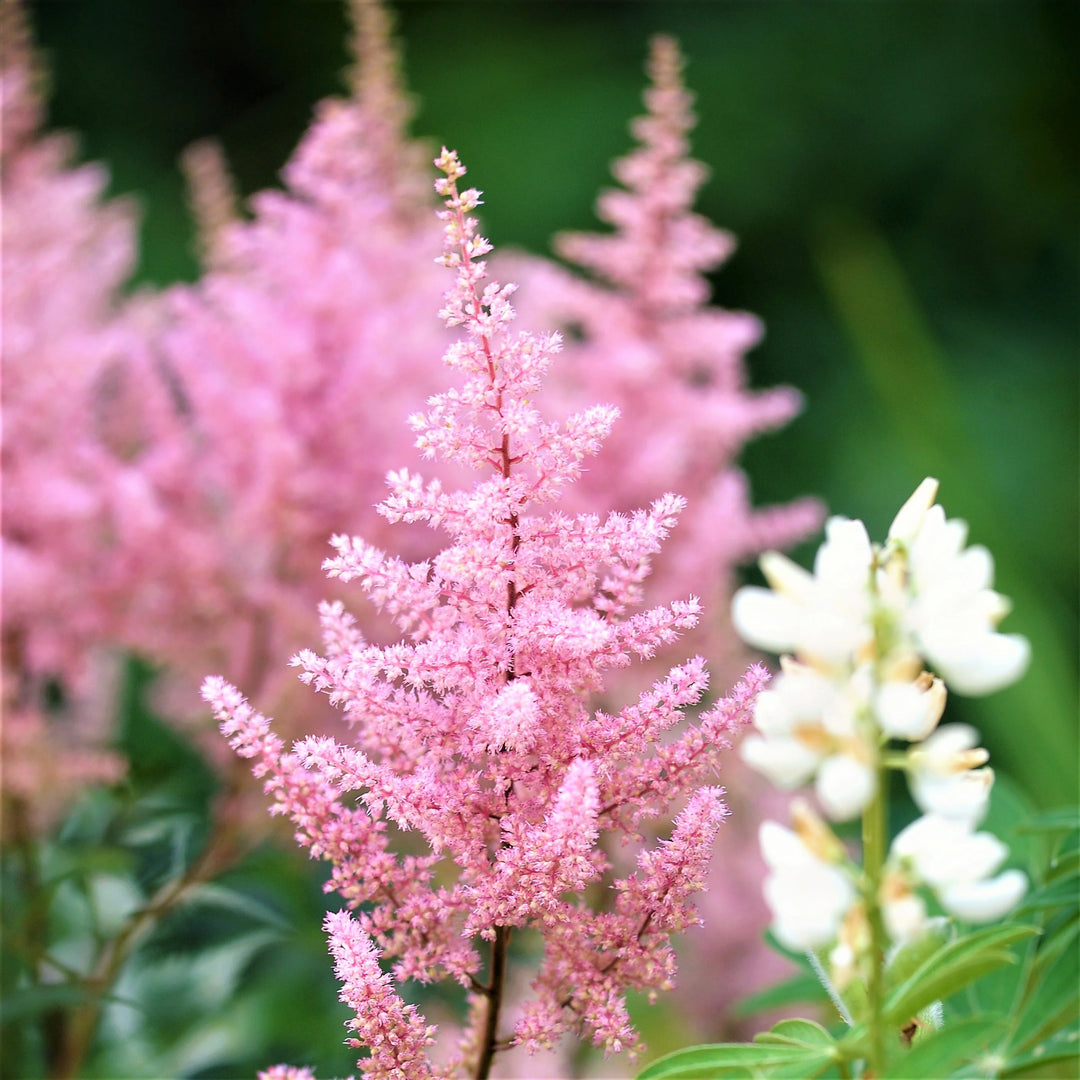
(474, 731)
(289, 368)
(645, 337)
(66, 256)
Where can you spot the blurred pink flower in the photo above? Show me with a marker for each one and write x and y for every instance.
(644, 338)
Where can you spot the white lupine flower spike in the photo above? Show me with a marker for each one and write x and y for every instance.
(873, 641)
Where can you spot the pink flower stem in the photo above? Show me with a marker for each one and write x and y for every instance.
(493, 991)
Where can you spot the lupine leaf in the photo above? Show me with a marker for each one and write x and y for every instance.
(803, 1033)
(1059, 1051)
(1063, 819)
(944, 1051)
(724, 1059)
(952, 968)
(1052, 1004)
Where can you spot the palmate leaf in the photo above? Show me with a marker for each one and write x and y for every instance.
(953, 967)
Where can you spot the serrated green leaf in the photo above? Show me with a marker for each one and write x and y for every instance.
(943, 1052)
(953, 967)
(706, 1062)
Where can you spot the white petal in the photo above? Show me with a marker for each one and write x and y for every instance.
(980, 664)
(786, 576)
(910, 517)
(766, 619)
(905, 919)
(962, 796)
(906, 712)
(781, 847)
(808, 905)
(947, 741)
(984, 901)
(787, 763)
(843, 561)
(845, 786)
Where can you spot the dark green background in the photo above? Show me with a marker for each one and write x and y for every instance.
(902, 178)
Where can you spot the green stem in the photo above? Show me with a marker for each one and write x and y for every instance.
(874, 836)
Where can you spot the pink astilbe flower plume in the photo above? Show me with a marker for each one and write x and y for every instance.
(66, 256)
(474, 734)
(645, 338)
(291, 366)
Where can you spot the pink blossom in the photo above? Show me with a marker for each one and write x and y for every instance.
(67, 496)
(474, 731)
(289, 370)
(646, 340)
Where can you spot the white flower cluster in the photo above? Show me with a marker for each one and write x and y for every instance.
(858, 634)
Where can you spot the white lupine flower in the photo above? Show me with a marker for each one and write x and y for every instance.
(909, 518)
(956, 864)
(807, 725)
(845, 786)
(907, 710)
(953, 612)
(905, 917)
(807, 895)
(945, 777)
(824, 615)
(985, 901)
(785, 761)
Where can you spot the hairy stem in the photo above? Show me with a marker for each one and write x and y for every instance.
(874, 834)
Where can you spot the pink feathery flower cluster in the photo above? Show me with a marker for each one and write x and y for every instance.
(66, 256)
(645, 338)
(291, 366)
(474, 732)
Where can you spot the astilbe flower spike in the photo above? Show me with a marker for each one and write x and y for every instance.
(66, 256)
(474, 732)
(289, 369)
(645, 338)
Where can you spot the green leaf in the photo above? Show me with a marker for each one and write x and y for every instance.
(952, 968)
(943, 1052)
(725, 1059)
(1052, 1004)
(1060, 892)
(24, 1004)
(804, 1033)
(1051, 1054)
(1063, 819)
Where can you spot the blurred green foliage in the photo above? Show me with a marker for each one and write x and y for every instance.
(902, 179)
